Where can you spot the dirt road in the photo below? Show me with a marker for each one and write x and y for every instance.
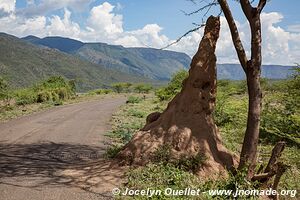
(58, 154)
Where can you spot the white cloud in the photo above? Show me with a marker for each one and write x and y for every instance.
(103, 20)
(279, 46)
(294, 28)
(63, 27)
(47, 6)
(7, 7)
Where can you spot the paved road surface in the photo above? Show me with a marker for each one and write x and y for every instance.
(57, 154)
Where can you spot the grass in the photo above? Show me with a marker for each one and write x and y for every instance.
(230, 116)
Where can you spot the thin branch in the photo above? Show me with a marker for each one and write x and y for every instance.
(235, 34)
(209, 9)
(201, 9)
(193, 1)
(261, 5)
(188, 32)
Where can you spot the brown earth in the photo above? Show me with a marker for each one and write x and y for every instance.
(58, 154)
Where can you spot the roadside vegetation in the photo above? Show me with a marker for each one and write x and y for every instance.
(55, 91)
(52, 91)
(280, 120)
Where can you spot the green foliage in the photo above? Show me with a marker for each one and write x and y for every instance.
(55, 89)
(162, 155)
(25, 96)
(173, 87)
(112, 151)
(4, 90)
(121, 87)
(281, 113)
(100, 92)
(160, 177)
(134, 99)
(136, 113)
(190, 163)
(143, 88)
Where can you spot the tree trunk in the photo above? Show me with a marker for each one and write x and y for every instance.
(187, 124)
(249, 149)
(253, 70)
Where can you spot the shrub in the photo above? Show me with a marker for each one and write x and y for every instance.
(5, 93)
(142, 88)
(121, 87)
(134, 99)
(162, 154)
(281, 114)
(112, 151)
(44, 96)
(25, 96)
(100, 91)
(3, 88)
(136, 113)
(173, 87)
(55, 89)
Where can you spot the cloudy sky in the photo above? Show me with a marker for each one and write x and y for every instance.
(151, 23)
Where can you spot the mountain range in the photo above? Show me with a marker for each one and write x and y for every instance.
(148, 62)
(151, 63)
(27, 60)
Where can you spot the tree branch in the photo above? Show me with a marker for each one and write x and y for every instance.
(247, 9)
(201, 9)
(261, 5)
(263, 176)
(276, 153)
(188, 32)
(235, 34)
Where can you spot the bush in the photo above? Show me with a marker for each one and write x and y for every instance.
(142, 88)
(25, 96)
(121, 87)
(3, 88)
(134, 99)
(281, 113)
(112, 151)
(55, 89)
(5, 94)
(173, 87)
(136, 113)
(103, 91)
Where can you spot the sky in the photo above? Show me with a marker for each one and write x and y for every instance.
(153, 23)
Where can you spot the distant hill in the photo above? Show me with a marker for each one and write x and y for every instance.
(63, 44)
(23, 64)
(235, 71)
(147, 62)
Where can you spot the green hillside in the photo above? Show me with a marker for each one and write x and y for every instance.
(151, 63)
(24, 64)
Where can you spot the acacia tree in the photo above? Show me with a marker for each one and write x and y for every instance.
(252, 69)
